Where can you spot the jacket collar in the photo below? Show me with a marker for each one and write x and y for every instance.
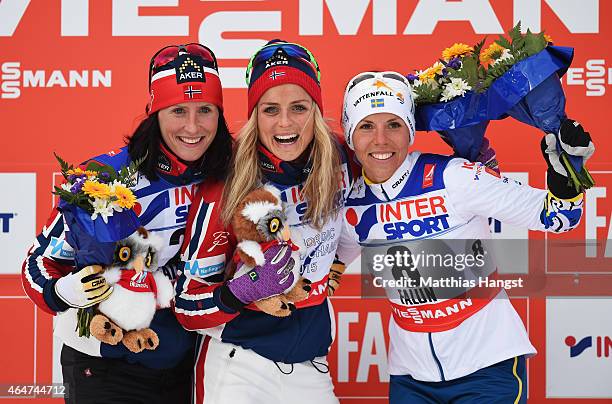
(390, 189)
(170, 167)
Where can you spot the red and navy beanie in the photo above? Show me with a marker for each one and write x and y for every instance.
(187, 77)
(280, 62)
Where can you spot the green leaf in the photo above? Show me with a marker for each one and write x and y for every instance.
(502, 41)
(478, 48)
(469, 71)
(101, 168)
(63, 165)
(427, 94)
(534, 43)
(515, 32)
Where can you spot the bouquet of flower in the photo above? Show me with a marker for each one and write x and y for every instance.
(96, 203)
(449, 98)
(469, 86)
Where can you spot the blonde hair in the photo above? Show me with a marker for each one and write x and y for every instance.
(320, 188)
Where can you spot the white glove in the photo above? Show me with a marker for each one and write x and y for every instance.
(84, 288)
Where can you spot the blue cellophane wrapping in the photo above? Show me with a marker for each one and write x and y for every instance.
(94, 241)
(529, 91)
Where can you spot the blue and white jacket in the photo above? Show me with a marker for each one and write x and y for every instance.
(162, 207)
(434, 197)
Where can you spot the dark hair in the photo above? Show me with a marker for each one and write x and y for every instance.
(146, 139)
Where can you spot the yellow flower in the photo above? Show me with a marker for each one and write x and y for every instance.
(76, 171)
(426, 75)
(91, 173)
(458, 49)
(96, 190)
(494, 51)
(125, 197)
(431, 72)
(437, 68)
(548, 38)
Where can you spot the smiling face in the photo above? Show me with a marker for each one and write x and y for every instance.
(285, 121)
(381, 144)
(189, 128)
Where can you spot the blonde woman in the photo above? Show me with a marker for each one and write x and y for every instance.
(246, 356)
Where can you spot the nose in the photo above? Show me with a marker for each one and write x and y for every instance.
(191, 124)
(283, 118)
(380, 136)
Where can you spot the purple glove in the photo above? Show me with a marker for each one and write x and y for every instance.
(270, 279)
(487, 156)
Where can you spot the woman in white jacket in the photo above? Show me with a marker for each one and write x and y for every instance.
(466, 348)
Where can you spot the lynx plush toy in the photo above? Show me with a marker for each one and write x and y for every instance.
(138, 290)
(263, 239)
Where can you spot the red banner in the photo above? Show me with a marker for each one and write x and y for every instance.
(73, 80)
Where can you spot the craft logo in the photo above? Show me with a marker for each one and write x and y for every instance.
(603, 345)
(400, 180)
(5, 221)
(595, 76)
(13, 79)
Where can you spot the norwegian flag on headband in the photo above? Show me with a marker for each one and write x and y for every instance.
(192, 92)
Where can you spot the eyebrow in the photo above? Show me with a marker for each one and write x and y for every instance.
(390, 120)
(277, 103)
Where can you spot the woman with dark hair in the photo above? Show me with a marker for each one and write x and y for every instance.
(183, 141)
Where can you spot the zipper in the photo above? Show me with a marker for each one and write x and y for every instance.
(433, 352)
(385, 193)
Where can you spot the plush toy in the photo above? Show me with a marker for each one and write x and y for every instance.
(259, 225)
(138, 290)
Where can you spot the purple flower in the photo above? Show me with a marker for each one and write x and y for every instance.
(104, 177)
(77, 187)
(454, 63)
(412, 77)
(72, 178)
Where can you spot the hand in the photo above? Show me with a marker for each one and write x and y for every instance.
(487, 156)
(83, 288)
(575, 141)
(335, 275)
(270, 279)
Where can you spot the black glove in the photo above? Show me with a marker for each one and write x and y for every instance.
(573, 141)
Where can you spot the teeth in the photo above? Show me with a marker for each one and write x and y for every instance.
(190, 140)
(286, 138)
(381, 156)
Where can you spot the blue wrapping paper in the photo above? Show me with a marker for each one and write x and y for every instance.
(466, 141)
(510, 94)
(94, 240)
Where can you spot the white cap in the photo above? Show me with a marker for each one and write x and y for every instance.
(372, 93)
